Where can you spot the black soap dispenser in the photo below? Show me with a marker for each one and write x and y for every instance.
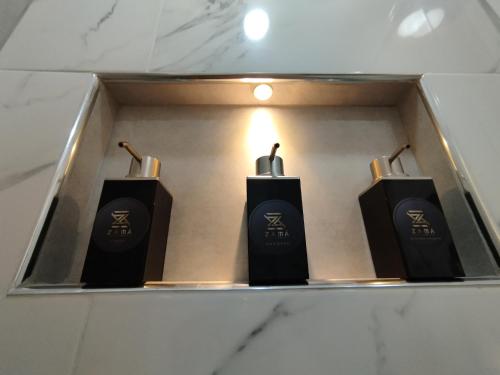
(129, 236)
(276, 237)
(406, 229)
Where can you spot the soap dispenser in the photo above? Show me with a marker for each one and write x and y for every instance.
(129, 236)
(277, 252)
(405, 225)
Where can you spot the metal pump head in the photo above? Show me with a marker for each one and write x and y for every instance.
(387, 166)
(141, 166)
(270, 165)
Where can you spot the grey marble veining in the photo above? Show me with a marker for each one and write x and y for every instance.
(490, 8)
(377, 330)
(222, 36)
(362, 331)
(9, 181)
(109, 35)
(342, 37)
(198, 33)
(279, 311)
(95, 28)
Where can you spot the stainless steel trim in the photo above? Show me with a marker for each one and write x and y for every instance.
(185, 90)
(442, 138)
(340, 285)
(458, 175)
(63, 166)
(347, 78)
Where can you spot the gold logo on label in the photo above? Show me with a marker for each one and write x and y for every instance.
(120, 225)
(419, 225)
(274, 221)
(276, 229)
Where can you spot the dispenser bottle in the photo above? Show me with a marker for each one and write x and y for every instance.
(129, 236)
(276, 237)
(406, 229)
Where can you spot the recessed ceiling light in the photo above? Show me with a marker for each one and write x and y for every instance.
(263, 92)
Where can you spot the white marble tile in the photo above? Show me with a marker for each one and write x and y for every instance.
(473, 135)
(10, 13)
(201, 36)
(41, 335)
(494, 4)
(95, 35)
(37, 114)
(388, 36)
(361, 331)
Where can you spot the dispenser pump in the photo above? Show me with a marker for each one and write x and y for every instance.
(388, 166)
(141, 166)
(270, 165)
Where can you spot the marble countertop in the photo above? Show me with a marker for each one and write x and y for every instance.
(410, 330)
(242, 36)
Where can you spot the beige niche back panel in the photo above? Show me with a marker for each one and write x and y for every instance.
(206, 153)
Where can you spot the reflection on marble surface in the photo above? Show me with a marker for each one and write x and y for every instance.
(256, 24)
(473, 135)
(37, 112)
(330, 37)
(420, 23)
(238, 36)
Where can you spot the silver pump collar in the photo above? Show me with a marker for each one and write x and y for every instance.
(270, 165)
(266, 167)
(148, 167)
(388, 166)
(381, 167)
(141, 166)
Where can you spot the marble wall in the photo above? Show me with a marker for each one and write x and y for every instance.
(11, 12)
(411, 330)
(201, 36)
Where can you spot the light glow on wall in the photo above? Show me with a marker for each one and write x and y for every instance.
(262, 133)
(256, 80)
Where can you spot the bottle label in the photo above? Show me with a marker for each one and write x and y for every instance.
(276, 227)
(121, 225)
(420, 224)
